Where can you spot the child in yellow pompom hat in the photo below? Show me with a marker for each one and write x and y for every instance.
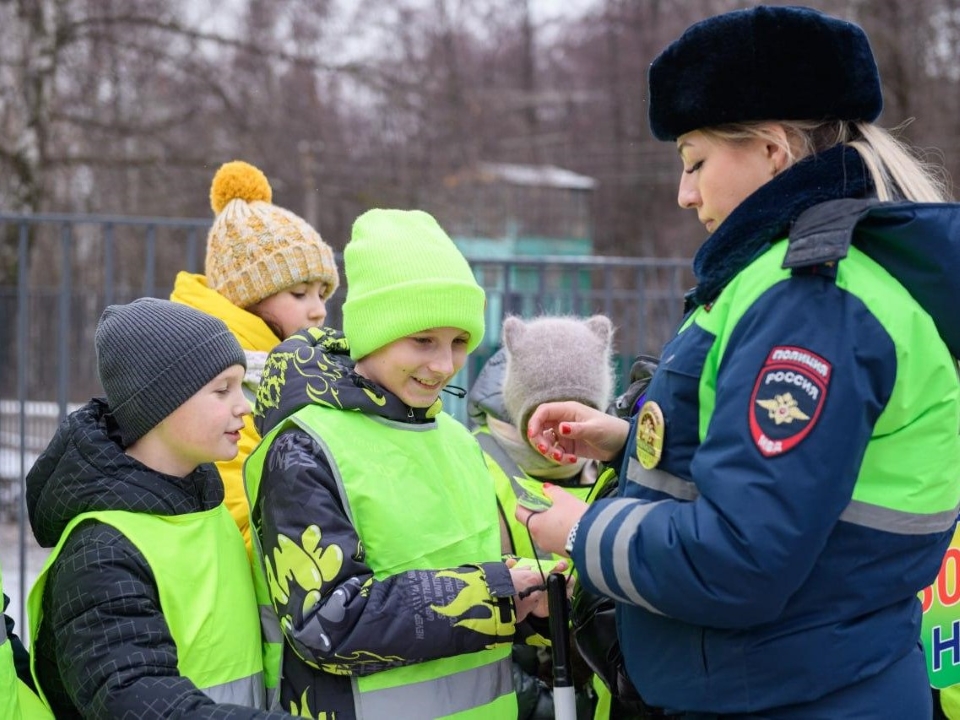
(267, 274)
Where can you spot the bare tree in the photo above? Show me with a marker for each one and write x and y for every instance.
(127, 106)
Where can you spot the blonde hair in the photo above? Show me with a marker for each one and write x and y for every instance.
(897, 170)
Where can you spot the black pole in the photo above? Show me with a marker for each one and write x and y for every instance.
(564, 698)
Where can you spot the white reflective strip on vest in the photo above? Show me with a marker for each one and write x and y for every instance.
(898, 521)
(626, 529)
(440, 697)
(661, 481)
(270, 625)
(248, 691)
(273, 699)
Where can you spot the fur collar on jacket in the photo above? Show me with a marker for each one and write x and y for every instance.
(767, 214)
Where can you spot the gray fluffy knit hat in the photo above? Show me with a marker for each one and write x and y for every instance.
(153, 355)
(555, 358)
(763, 63)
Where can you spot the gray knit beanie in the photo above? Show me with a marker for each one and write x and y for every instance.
(556, 358)
(153, 355)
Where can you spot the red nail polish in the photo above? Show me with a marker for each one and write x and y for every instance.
(542, 448)
(564, 429)
(572, 460)
(547, 485)
(557, 455)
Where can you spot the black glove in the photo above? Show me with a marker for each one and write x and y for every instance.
(628, 403)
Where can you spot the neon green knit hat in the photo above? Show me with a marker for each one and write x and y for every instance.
(404, 275)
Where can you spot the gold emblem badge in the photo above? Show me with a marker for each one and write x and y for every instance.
(783, 409)
(650, 427)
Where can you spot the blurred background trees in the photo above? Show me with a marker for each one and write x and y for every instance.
(129, 106)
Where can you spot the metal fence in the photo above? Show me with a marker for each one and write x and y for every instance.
(67, 268)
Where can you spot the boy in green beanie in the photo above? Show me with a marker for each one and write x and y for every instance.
(377, 520)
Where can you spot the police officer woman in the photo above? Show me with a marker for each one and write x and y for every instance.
(789, 484)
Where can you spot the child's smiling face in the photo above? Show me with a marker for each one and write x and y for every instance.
(417, 367)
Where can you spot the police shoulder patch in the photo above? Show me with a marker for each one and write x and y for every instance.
(787, 398)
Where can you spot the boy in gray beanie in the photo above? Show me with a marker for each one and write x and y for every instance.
(145, 607)
(180, 350)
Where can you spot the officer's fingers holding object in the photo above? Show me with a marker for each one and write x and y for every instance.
(549, 430)
(543, 427)
(566, 431)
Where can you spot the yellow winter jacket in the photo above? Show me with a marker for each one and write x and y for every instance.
(256, 338)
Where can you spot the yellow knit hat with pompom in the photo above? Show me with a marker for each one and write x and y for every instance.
(256, 249)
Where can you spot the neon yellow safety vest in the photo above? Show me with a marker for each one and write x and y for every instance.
(509, 479)
(209, 606)
(507, 476)
(441, 460)
(17, 701)
(950, 702)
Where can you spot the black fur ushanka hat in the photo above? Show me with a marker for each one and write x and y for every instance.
(764, 63)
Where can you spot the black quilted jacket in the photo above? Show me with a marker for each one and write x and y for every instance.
(104, 649)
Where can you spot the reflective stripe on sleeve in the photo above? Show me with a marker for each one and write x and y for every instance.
(898, 521)
(661, 481)
(626, 527)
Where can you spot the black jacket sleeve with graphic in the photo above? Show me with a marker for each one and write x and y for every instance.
(334, 614)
